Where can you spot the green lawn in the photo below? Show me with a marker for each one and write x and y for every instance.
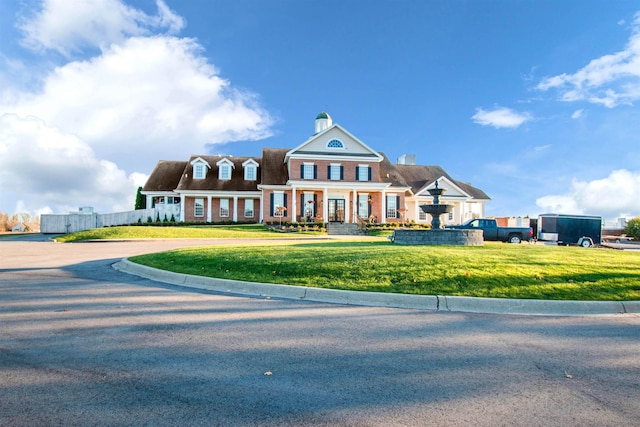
(494, 270)
(179, 232)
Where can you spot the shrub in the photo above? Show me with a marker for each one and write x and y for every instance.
(633, 228)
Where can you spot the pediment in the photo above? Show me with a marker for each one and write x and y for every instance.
(452, 190)
(332, 143)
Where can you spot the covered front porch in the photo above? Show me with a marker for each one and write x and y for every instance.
(345, 205)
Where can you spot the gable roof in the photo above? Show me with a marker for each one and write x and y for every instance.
(419, 177)
(316, 147)
(211, 181)
(274, 168)
(165, 176)
(389, 173)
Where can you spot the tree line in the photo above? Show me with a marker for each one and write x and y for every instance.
(25, 220)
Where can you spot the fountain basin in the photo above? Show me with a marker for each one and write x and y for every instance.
(438, 237)
(436, 209)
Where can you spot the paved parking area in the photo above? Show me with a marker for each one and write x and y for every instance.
(83, 344)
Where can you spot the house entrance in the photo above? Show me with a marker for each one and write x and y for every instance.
(336, 210)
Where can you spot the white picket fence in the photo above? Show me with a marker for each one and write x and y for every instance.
(72, 222)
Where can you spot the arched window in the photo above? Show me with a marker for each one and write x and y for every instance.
(335, 143)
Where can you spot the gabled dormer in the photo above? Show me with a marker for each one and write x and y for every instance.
(225, 169)
(200, 168)
(250, 168)
(452, 190)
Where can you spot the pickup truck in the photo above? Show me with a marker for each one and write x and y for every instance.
(491, 231)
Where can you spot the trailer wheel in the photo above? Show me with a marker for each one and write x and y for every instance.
(515, 239)
(586, 242)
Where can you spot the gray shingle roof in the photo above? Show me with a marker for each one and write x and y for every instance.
(211, 181)
(274, 168)
(418, 177)
(165, 176)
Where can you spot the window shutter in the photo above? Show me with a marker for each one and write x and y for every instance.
(369, 167)
(341, 173)
(272, 209)
(357, 173)
(397, 207)
(329, 172)
(315, 171)
(302, 172)
(285, 200)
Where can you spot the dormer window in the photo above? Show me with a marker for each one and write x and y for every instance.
(335, 143)
(200, 167)
(224, 169)
(198, 171)
(250, 170)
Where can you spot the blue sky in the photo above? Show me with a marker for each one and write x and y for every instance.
(533, 101)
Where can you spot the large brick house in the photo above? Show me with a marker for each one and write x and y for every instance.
(330, 177)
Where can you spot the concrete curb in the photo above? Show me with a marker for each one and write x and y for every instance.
(376, 299)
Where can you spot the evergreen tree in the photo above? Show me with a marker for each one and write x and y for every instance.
(141, 201)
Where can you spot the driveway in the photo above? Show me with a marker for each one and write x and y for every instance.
(83, 344)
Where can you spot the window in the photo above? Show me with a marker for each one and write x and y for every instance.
(248, 208)
(225, 172)
(335, 143)
(198, 208)
(250, 173)
(335, 172)
(422, 215)
(198, 171)
(200, 167)
(278, 204)
(224, 208)
(173, 200)
(308, 203)
(363, 206)
(363, 173)
(392, 206)
(309, 171)
(224, 169)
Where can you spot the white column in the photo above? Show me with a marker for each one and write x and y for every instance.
(294, 204)
(355, 206)
(181, 207)
(235, 208)
(261, 217)
(149, 201)
(208, 208)
(325, 205)
(383, 220)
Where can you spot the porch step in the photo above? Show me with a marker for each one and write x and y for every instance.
(343, 229)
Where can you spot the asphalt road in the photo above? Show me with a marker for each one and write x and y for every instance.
(83, 344)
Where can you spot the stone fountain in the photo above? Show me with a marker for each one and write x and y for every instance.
(436, 209)
(437, 235)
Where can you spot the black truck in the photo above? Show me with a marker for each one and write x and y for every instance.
(582, 230)
(491, 231)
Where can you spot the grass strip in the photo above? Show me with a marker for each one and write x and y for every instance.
(495, 270)
(177, 232)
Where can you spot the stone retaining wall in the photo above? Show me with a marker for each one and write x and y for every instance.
(438, 237)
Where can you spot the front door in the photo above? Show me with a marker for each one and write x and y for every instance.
(336, 210)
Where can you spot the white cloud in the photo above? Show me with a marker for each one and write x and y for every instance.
(68, 26)
(617, 195)
(156, 97)
(578, 113)
(140, 99)
(610, 80)
(500, 117)
(40, 166)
